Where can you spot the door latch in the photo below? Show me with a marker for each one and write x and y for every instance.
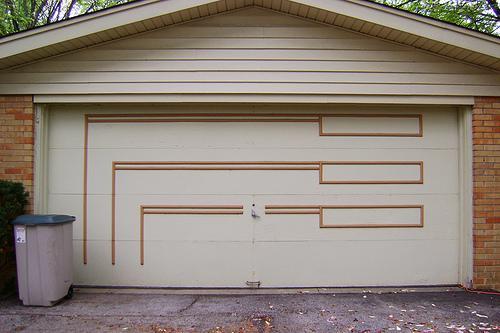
(254, 213)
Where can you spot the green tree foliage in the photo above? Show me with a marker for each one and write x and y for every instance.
(481, 15)
(18, 15)
(13, 199)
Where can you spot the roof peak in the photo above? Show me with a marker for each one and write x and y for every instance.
(139, 16)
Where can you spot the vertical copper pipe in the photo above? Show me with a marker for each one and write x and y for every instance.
(421, 172)
(320, 125)
(113, 204)
(142, 235)
(422, 216)
(321, 224)
(421, 125)
(320, 165)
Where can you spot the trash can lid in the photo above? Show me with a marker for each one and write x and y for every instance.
(43, 219)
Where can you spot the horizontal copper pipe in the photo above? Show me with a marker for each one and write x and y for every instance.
(219, 162)
(142, 115)
(292, 206)
(221, 120)
(193, 212)
(291, 212)
(217, 168)
(192, 206)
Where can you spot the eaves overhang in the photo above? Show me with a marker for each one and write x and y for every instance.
(360, 16)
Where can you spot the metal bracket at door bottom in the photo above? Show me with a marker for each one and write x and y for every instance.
(253, 284)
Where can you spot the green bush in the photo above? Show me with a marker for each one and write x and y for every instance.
(13, 199)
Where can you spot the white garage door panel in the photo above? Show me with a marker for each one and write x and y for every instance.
(276, 227)
(295, 227)
(239, 182)
(68, 205)
(178, 227)
(200, 264)
(357, 263)
(195, 264)
(100, 228)
(435, 167)
(194, 228)
(371, 172)
(128, 213)
(372, 216)
(218, 182)
(105, 156)
(371, 125)
(67, 129)
(67, 162)
(438, 175)
(244, 135)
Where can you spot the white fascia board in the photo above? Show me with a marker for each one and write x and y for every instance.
(92, 23)
(411, 23)
(249, 98)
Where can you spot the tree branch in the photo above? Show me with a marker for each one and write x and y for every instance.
(53, 10)
(12, 9)
(404, 3)
(91, 7)
(69, 9)
(38, 11)
(494, 6)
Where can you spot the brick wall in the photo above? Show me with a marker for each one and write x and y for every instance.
(16, 141)
(486, 146)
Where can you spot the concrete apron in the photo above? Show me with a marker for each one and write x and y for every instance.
(261, 291)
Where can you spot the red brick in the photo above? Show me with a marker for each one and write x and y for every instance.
(23, 116)
(16, 141)
(486, 99)
(486, 196)
(13, 171)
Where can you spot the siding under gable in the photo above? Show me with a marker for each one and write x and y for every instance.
(251, 51)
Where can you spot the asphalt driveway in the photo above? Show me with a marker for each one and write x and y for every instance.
(375, 311)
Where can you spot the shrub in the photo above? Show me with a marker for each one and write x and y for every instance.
(13, 199)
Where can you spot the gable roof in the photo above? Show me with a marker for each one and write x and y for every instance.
(357, 15)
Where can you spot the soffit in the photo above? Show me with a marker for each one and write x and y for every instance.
(302, 10)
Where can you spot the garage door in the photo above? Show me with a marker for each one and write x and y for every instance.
(212, 196)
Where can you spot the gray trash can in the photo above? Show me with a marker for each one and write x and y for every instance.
(44, 257)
